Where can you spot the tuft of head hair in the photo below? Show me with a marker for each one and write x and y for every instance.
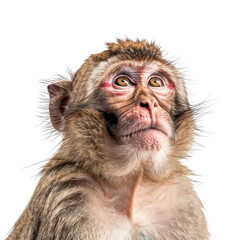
(140, 50)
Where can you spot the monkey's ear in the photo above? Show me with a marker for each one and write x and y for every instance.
(59, 98)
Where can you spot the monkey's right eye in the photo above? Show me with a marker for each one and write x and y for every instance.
(123, 81)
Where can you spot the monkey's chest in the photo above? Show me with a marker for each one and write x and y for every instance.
(143, 212)
(152, 205)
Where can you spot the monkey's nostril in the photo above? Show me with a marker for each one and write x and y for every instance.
(144, 105)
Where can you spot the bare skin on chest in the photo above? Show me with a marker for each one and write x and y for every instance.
(138, 201)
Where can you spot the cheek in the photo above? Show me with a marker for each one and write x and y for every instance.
(170, 86)
(105, 85)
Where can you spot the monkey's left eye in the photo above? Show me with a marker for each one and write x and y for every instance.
(156, 82)
(123, 81)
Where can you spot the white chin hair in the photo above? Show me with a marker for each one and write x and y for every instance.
(153, 161)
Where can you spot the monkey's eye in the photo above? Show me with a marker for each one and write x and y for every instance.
(156, 82)
(123, 81)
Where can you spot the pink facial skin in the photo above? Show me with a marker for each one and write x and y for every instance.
(170, 86)
(147, 127)
(106, 85)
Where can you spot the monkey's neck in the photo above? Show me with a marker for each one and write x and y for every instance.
(127, 196)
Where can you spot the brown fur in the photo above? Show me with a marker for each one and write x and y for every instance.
(78, 186)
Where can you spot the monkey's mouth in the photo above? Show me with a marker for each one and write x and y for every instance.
(112, 122)
(143, 130)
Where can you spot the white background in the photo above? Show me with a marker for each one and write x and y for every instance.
(40, 39)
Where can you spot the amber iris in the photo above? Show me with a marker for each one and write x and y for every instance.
(156, 82)
(123, 81)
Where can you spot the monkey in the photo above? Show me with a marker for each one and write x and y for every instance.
(126, 123)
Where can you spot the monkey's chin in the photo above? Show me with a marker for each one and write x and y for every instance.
(149, 140)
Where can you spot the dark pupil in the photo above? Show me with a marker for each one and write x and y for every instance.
(159, 81)
(124, 81)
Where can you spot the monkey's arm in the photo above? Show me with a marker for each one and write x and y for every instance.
(54, 208)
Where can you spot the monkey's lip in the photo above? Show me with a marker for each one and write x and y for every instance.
(144, 130)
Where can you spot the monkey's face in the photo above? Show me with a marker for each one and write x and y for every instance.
(128, 107)
(139, 98)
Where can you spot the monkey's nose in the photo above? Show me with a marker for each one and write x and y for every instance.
(148, 103)
(144, 104)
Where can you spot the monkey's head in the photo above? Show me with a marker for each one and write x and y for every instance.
(125, 108)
